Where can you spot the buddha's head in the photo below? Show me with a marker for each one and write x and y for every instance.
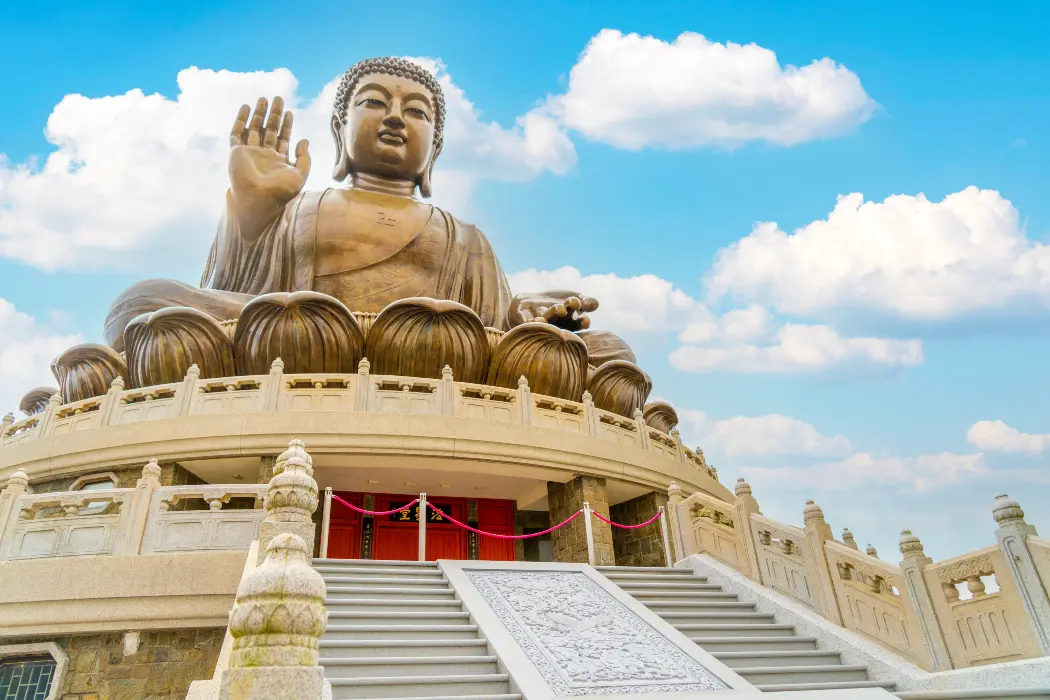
(388, 121)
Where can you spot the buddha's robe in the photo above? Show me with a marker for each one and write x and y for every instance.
(447, 259)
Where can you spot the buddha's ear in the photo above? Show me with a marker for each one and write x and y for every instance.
(342, 159)
(426, 183)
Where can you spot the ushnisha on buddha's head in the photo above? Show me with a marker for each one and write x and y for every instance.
(388, 122)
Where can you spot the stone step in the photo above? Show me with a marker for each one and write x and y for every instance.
(804, 675)
(648, 569)
(376, 562)
(669, 586)
(400, 617)
(378, 571)
(376, 666)
(698, 632)
(421, 648)
(732, 643)
(388, 592)
(419, 686)
(387, 632)
(714, 593)
(684, 620)
(501, 696)
(756, 659)
(983, 694)
(844, 685)
(399, 581)
(628, 577)
(666, 607)
(382, 605)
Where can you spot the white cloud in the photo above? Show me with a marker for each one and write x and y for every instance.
(769, 435)
(137, 177)
(795, 348)
(636, 92)
(26, 352)
(997, 436)
(906, 256)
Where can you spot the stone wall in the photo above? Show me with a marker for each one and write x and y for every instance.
(570, 542)
(644, 546)
(162, 668)
(532, 521)
(171, 474)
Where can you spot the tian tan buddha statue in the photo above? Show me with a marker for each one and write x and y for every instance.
(324, 279)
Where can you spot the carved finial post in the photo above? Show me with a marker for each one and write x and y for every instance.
(817, 533)
(919, 605)
(745, 506)
(643, 430)
(1012, 535)
(291, 497)
(364, 389)
(47, 417)
(5, 424)
(274, 385)
(276, 624)
(848, 539)
(871, 551)
(590, 415)
(17, 486)
(139, 505)
(183, 401)
(525, 401)
(448, 392)
(677, 437)
(111, 400)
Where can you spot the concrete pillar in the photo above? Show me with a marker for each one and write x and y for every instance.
(644, 546)
(1012, 536)
(570, 541)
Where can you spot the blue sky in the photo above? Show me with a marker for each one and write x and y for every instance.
(945, 329)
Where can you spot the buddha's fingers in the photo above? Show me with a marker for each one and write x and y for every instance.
(254, 137)
(239, 124)
(285, 135)
(573, 303)
(302, 157)
(273, 124)
(583, 322)
(589, 304)
(555, 313)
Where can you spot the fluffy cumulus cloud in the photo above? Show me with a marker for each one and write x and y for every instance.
(137, 174)
(906, 257)
(997, 436)
(769, 435)
(637, 92)
(26, 352)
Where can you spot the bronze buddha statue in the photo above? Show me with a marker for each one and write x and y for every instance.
(351, 253)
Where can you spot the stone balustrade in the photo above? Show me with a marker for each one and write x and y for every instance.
(938, 615)
(362, 391)
(146, 519)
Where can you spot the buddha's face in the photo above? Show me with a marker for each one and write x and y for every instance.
(390, 127)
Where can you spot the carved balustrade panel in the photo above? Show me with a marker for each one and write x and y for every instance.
(987, 627)
(662, 444)
(404, 395)
(66, 524)
(317, 392)
(617, 429)
(715, 529)
(24, 429)
(870, 599)
(218, 528)
(779, 550)
(140, 405)
(79, 415)
(559, 414)
(227, 395)
(488, 403)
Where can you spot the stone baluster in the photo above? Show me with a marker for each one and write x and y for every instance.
(746, 506)
(291, 497)
(848, 539)
(110, 401)
(17, 486)
(182, 403)
(5, 425)
(590, 414)
(643, 430)
(47, 416)
(276, 625)
(1012, 536)
(681, 535)
(139, 508)
(817, 569)
(677, 437)
(274, 385)
(364, 389)
(919, 603)
(448, 392)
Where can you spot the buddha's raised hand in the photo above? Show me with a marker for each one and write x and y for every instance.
(561, 308)
(262, 179)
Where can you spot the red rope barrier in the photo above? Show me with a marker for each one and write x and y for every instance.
(375, 512)
(625, 527)
(502, 537)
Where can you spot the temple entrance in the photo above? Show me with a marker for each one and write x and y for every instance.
(352, 535)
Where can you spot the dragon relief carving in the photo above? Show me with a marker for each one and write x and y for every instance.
(965, 569)
(582, 640)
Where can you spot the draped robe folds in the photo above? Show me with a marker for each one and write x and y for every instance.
(447, 259)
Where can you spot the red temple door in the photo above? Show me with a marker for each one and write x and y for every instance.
(496, 517)
(344, 528)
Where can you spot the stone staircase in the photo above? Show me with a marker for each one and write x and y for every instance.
(769, 655)
(395, 630)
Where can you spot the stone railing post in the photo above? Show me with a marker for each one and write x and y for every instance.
(273, 385)
(525, 400)
(674, 500)
(643, 429)
(291, 498)
(448, 392)
(677, 437)
(921, 607)
(110, 401)
(1012, 536)
(364, 367)
(276, 624)
(183, 401)
(17, 486)
(590, 415)
(745, 506)
(139, 505)
(47, 416)
(848, 539)
(5, 425)
(817, 533)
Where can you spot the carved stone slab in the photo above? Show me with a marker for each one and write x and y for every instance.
(582, 640)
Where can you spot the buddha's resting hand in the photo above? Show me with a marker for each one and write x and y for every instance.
(262, 180)
(561, 308)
